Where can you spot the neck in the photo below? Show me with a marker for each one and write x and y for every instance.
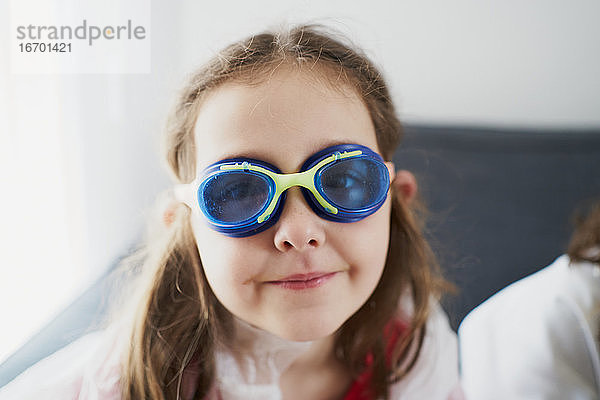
(258, 364)
(261, 357)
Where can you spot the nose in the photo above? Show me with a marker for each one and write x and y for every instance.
(298, 227)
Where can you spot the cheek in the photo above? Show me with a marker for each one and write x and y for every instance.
(364, 245)
(369, 239)
(229, 264)
(376, 246)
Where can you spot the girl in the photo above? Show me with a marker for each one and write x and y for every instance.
(290, 263)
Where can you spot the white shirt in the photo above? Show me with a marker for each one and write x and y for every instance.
(536, 339)
(89, 368)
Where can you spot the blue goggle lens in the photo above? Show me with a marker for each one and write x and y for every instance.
(234, 197)
(353, 184)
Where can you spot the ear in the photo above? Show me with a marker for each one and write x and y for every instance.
(169, 213)
(405, 183)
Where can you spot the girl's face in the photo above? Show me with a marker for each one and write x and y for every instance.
(283, 121)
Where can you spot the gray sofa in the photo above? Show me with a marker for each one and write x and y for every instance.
(500, 201)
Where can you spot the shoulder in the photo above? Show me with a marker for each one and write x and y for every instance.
(88, 368)
(435, 374)
(518, 302)
(529, 292)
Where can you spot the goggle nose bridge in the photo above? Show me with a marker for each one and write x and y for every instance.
(304, 179)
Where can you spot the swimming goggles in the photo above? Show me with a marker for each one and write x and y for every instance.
(242, 197)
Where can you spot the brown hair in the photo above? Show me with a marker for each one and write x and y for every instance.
(585, 240)
(178, 319)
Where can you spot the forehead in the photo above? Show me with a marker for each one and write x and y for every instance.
(282, 120)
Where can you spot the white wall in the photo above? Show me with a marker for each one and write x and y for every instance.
(514, 63)
(509, 62)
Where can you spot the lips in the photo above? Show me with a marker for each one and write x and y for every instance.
(303, 281)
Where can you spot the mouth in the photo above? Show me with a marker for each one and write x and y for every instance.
(303, 281)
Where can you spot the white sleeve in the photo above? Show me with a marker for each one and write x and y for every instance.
(435, 374)
(85, 369)
(503, 345)
(527, 342)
